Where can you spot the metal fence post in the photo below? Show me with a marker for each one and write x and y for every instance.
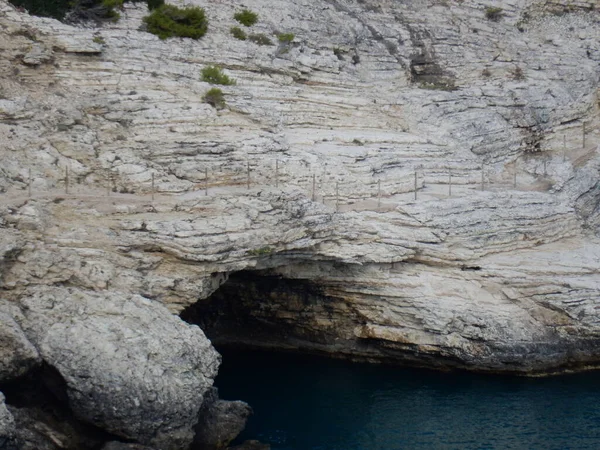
(205, 181)
(415, 185)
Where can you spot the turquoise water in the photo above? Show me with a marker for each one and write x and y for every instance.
(310, 403)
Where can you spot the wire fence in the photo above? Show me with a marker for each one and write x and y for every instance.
(338, 190)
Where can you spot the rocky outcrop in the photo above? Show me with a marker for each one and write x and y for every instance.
(220, 421)
(8, 432)
(125, 363)
(142, 194)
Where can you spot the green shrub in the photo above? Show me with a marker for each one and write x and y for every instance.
(246, 17)
(493, 13)
(214, 75)
(260, 39)
(99, 40)
(215, 98)
(154, 4)
(263, 251)
(170, 21)
(238, 33)
(285, 38)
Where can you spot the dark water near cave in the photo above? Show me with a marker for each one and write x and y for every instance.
(312, 403)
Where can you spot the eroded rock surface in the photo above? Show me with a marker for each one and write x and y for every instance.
(17, 355)
(308, 174)
(128, 365)
(8, 431)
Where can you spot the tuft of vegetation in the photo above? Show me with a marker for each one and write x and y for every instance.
(246, 17)
(215, 98)
(286, 38)
(263, 251)
(439, 85)
(99, 40)
(170, 21)
(339, 53)
(357, 141)
(154, 4)
(238, 33)
(214, 75)
(493, 13)
(260, 39)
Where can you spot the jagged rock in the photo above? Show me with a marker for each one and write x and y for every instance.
(127, 364)
(369, 102)
(37, 55)
(17, 354)
(220, 421)
(8, 432)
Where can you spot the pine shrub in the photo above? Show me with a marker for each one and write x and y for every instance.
(215, 98)
(214, 75)
(246, 17)
(170, 21)
(238, 33)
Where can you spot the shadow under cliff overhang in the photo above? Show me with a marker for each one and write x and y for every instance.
(264, 310)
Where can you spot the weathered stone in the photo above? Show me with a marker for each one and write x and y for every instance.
(8, 432)
(501, 273)
(220, 421)
(17, 354)
(128, 365)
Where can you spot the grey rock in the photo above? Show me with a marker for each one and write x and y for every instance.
(8, 432)
(221, 421)
(17, 354)
(128, 365)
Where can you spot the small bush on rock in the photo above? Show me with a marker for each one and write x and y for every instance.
(153, 4)
(260, 39)
(286, 38)
(214, 75)
(493, 13)
(246, 17)
(238, 33)
(215, 98)
(170, 21)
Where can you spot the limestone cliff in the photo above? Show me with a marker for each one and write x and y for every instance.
(309, 175)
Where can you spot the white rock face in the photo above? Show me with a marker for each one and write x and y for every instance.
(494, 264)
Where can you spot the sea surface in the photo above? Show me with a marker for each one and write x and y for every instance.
(314, 403)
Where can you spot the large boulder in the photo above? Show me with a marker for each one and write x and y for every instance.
(8, 433)
(17, 354)
(129, 366)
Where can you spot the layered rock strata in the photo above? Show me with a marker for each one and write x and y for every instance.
(124, 196)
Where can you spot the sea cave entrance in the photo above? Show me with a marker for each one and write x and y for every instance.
(261, 309)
